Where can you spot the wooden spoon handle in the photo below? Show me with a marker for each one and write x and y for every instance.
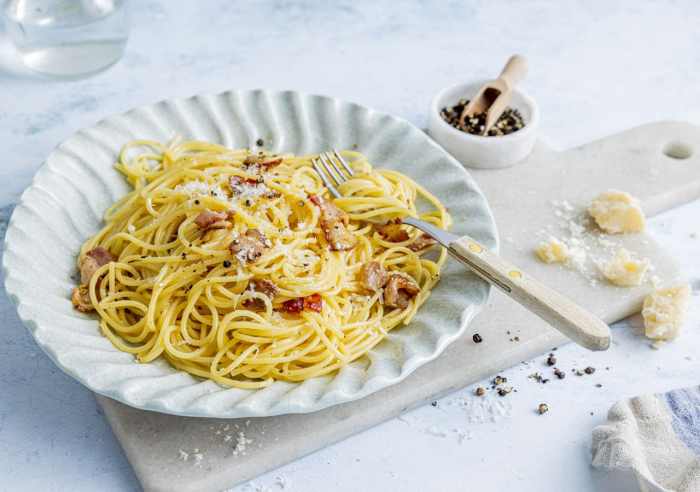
(561, 313)
(514, 70)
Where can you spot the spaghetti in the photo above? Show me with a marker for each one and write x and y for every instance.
(238, 267)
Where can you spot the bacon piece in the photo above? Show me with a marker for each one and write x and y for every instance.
(400, 289)
(373, 276)
(212, 220)
(298, 304)
(81, 299)
(313, 302)
(392, 232)
(237, 183)
(422, 242)
(295, 305)
(92, 261)
(334, 224)
(265, 163)
(263, 286)
(250, 246)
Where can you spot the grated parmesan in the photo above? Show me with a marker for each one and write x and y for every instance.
(586, 245)
(241, 443)
(201, 188)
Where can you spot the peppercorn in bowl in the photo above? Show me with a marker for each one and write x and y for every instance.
(509, 142)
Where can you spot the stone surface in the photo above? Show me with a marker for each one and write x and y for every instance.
(594, 70)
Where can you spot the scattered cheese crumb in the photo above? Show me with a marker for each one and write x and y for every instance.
(184, 455)
(552, 251)
(617, 212)
(241, 443)
(664, 311)
(198, 457)
(624, 270)
(200, 188)
(436, 431)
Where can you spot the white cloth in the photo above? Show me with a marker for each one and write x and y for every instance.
(657, 437)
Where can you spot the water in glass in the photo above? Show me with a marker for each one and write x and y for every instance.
(68, 38)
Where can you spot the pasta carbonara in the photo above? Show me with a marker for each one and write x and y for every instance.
(239, 267)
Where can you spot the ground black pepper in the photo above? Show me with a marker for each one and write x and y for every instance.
(589, 370)
(480, 391)
(538, 378)
(477, 338)
(551, 360)
(499, 380)
(227, 264)
(559, 373)
(542, 408)
(510, 121)
(259, 142)
(504, 390)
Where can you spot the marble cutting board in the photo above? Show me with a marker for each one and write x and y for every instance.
(637, 161)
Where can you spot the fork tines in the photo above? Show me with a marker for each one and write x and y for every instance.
(333, 170)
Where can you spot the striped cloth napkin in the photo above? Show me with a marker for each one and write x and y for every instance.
(657, 437)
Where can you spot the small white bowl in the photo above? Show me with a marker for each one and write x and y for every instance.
(484, 152)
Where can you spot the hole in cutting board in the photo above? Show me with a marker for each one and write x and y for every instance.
(677, 150)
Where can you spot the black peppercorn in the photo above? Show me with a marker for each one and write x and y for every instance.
(227, 264)
(504, 391)
(477, 338)
(589, 370)
(259, 142)
(510, 121)
(551, 360)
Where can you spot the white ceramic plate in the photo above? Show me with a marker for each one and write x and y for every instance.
(66, 200)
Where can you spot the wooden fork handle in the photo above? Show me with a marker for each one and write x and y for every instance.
(514, 71)
(561, 313)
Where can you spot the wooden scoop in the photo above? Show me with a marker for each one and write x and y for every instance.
(494, 96)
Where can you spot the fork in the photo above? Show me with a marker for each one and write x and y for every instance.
(560, 312)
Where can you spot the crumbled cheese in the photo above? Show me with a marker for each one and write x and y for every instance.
(249, 191)
(588, 247)
(624, 270)
(201, 188)
(436, 431)
(131, 228)
(552, 251)
(664, 311)
(184, 455)
(198, 457)
(461, 435)
(617, 212)
(241, 443)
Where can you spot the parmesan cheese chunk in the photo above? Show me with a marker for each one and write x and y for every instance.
(617, 212)
(624, 270)
(664, 311)
(552, 251)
